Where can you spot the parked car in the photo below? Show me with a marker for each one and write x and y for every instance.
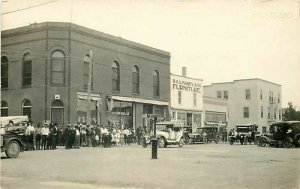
(206, 134)
(246, 134)
(187, 134)
(167, 133)
(282, 134)
(11, 137)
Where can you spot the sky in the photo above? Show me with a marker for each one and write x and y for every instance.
(218, 41)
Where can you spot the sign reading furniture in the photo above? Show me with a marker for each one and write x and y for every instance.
(186, 86)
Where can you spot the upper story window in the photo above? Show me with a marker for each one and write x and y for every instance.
(27, 70)
(115, 76)
(179, 97)
(195, 99)
(26, 108)
(4, 72)
(275, 112)
(279, 114)
(271, 96)
(155, 83)
(278, 98)
(269, 112)
(246, 112)
(58, 62)
(219, 94)
(261, 94)
(248, 94)
(135, 80)
(225, 94)
(4, 109)
(86, 69)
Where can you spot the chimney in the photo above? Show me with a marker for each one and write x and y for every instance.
(184, 71)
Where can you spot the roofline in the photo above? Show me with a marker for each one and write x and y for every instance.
(74, 27)
(242, 80)
(187, 77)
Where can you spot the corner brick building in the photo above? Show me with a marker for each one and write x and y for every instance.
(44, 74)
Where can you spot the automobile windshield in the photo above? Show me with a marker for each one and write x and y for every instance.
(161, 127)
(243, 129)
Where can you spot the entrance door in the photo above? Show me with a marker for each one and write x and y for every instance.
(57, 112)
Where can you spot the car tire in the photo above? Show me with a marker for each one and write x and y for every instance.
(205, 141)
(181, 143)
(287, 142)
(187, 140)
(144, 143)
(13, 149)
(217, 140)
(161, 142)
(231, 141)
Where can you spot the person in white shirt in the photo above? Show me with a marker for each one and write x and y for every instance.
(45, 133)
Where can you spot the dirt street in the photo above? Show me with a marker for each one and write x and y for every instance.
(193, 166)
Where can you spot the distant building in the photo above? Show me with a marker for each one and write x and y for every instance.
(249, 101)
(186, 99)
(45, 71)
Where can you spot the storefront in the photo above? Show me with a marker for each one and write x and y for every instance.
(82, 107)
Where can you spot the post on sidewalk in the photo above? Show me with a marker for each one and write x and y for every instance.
(89, 88)
(154, 139)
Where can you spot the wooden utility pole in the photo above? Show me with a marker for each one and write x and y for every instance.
(89, 90)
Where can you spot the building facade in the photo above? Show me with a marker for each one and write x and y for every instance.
(215, 111)
(187, 100)
(45, 74)
(249, 101)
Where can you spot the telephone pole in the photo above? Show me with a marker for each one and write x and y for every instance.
(89, 89)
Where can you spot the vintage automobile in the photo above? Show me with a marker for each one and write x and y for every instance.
(206, 134)
(282, 134)
(12, 130)
(167, 133)
(246, 134)
(187, 134)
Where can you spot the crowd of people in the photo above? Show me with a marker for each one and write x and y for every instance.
(49, 136)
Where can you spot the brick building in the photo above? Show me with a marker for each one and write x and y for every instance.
(44, 74)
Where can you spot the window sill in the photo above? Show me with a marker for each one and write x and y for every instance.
(136, 94)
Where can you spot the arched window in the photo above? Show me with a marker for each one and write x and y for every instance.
(58, 68)
(86, 62)
(57, 112)
(4, 109)
(115, 76)
(135, 80)
(4, 72)
(26, 108)
(27, 70)
(155, 83)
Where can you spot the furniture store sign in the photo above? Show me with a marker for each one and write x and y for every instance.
(182, 84)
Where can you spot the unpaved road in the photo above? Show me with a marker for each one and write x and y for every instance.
(193, 166)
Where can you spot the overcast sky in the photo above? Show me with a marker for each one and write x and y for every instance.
(218, 41)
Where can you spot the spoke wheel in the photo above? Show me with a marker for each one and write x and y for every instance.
(13, 149)
(161, 142)
(287, 142)
(181, 143)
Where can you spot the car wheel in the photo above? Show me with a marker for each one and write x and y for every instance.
(245, 141)
(297, 141)
(181, 143)
(13, 149)
(144, 143)
(287, 142)
(161, 142)
(217, 140)
(231, 141)
(187, 140)
(205, 141)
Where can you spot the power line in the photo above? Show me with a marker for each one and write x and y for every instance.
(17, 10)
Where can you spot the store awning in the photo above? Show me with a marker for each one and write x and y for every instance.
(139, 100)
(83, 96)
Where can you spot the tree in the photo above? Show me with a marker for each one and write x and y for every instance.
(290, 113)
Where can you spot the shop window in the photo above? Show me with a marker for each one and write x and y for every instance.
(219, 94)
(155, 83)
(58, 62)
(121, 114)
(246, 112)
(4, 72)
(248, 94)
(115, 76)
(4, 109)
(86, 69)
(225, 94)
(27, 70)
(135, 80)
(179, 97)
(26, 108)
